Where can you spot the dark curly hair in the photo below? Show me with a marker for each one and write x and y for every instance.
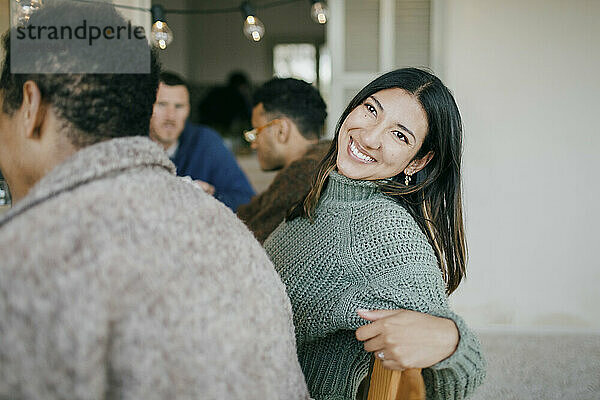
(297, 100)
(93, 107)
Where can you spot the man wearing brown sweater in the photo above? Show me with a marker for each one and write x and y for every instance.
(288, 118)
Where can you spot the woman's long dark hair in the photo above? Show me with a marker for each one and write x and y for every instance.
(434, 199)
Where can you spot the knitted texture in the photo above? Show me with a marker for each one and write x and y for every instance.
(266, 211)
(120, 280)
(363, 251)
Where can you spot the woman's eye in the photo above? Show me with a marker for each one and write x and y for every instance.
(400, 136)
(371, 109)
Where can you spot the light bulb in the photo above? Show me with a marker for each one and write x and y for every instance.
(161, 35)
(25, 10)
(253, 28)
(319, 12)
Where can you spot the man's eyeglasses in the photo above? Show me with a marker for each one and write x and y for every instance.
(252, 134)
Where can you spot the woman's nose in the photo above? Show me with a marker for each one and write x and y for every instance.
(371, 137)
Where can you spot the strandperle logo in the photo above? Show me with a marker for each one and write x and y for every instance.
(63, 37)
(90, 33)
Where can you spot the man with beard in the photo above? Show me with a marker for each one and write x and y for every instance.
(196, 150)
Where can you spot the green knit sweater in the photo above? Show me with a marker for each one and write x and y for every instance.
(363, 251)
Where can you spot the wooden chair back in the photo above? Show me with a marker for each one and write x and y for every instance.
(387, 384)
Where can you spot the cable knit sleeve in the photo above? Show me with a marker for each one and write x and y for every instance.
(459, 375)
(399, 270)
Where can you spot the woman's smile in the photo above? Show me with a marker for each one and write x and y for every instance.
(356, 151)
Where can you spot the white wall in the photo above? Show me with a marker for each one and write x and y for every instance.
(526, 74)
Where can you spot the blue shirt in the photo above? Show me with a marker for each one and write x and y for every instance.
(201, 154)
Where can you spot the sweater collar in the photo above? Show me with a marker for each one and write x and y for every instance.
(90, 163)
(343, 189)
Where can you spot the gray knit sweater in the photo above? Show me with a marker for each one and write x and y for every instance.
(363, 250)
(119, 280)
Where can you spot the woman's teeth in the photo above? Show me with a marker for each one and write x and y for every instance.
(360, 155)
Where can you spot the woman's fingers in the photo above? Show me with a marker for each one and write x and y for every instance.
(391, 357)
(374, 345)
(374, 315)
(378, 324)
(366, 332)
(408, 339)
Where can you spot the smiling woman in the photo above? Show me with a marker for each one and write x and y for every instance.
(382, 228)
(375, 141)
(420, 137)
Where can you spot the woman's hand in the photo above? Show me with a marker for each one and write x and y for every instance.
(407, 339)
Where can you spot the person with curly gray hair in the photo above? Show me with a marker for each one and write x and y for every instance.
(121, 280)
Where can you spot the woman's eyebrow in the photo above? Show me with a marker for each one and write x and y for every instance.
(398, 124)
(376, 102)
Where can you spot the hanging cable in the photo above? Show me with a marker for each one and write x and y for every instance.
(192, 11)
(124, 6)
(229, 9)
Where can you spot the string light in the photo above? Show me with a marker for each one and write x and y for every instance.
(26, 8)
(161, 35)
(253, 27)
(319, 11)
